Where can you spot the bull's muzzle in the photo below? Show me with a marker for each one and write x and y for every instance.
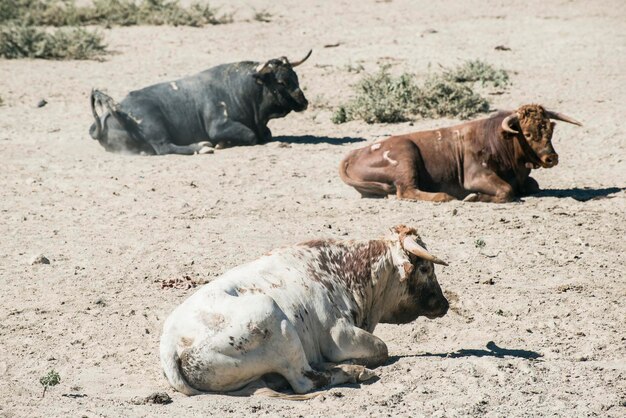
(303, 106)
(550, 160)
(300, 99)
(440, 310)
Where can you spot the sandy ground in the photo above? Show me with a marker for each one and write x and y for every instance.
(538, 319)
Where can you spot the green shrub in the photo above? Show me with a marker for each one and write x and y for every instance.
(383, 98)
(52, 378)
(109, 12)
(31, 42)
(380, 97)
(477, 70)
(443, 98)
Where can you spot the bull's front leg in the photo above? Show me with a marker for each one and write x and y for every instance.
(487, 186)
(530, 186)
(350, 343)
(266, 135)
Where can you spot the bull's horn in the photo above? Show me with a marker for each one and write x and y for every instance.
(564, 118)
(414, 248)
(506, 123)
(295, 64)
(263, 67)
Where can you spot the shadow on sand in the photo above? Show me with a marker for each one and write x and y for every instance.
(582, 195)
(310, 139)
(492, 351)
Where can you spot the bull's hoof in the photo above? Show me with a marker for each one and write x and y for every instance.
(366, 375)
(206, 150)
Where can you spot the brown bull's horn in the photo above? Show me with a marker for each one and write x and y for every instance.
(506, 123)
(414, 248)
(564, 118)
(295, 64)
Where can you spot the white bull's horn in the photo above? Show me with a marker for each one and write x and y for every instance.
(263, 67)
(506, 123)
(295, 64)
(414, 248)
(564, 118)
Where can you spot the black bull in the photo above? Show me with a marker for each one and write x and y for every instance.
(229, 104)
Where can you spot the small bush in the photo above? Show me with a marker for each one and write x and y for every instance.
(52, 378)
(443, 98)
(262, 16)
(478, 71)
(381, 97)
(31, 42)
(109, 12)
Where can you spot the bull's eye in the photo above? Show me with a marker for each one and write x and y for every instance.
(282, 82)
(424, 269)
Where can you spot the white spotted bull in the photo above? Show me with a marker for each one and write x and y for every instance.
(305, 313)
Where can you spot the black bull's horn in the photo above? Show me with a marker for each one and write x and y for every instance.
(296, 63)
(265, 67)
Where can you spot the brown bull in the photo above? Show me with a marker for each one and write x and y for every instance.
(486, 160)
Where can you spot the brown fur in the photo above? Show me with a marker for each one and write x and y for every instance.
(476, 161)
(350, 264)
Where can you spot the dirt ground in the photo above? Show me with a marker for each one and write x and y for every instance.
(538, 319)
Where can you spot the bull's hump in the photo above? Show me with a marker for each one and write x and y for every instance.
(348, 263)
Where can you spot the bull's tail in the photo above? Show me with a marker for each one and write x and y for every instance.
(96, 128)
(170, 361)
(366, 188)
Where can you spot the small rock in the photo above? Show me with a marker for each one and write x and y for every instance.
(39, 259)
(42, 103)
(160, 398)
(502, 48)
(74, 395)
(336, 394)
